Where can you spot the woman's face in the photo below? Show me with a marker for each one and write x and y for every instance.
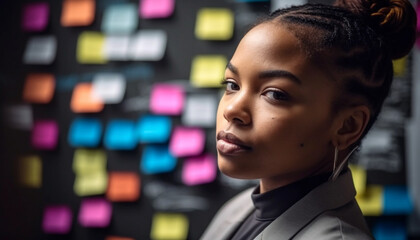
(274, 121)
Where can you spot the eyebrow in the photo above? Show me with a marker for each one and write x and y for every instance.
(269, 74)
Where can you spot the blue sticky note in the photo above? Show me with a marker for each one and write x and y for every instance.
(85, 132)
(397, 200)
(120, 19)
(389, 230)
(120, 135)
(153, 129)
(157, 159)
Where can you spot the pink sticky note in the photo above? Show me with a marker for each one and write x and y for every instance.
(156, 8)
(35, 16)
(187, 142)
(57, 219)
(167, 99)
(199, 170)
(95, 212)
(45, 134)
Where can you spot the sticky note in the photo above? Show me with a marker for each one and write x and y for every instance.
(30, 171)
(95, 212)
(117, 238)
(199, 170)
(169, 226)
(120, 135)
(45, 134)
(83, 100)
(148, 45)
(208, 70)
(18, 116)
(187, 141)
(418, 16)
(200, 110)
(39, 88)
(389, 230)
(167, 99)
(57, 219)
(120, 18)
(77, 13)
(35, 16)
(214, 24)
(280, 4)
(123, 187)
(40, 50)
(157, 159)
(90, 48)
(85, 132)
(397, 200)
(89, 161)
(400, 66)
(371, 202)
(109, 87)
(359, 178)
(90, 184)
(156, 8)
(116, 47)
(153, 129)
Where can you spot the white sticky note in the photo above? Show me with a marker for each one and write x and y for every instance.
(200, 111)
(120, 18)
(18, 116)
(116, 47)
(109, 87)
(280, 4)
(40, 50)
(148, 45)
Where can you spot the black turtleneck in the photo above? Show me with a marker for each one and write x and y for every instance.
(271, 204)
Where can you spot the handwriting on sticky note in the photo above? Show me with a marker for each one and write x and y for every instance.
(200, 110)
(30, 171)
(199, 170)
(39, 88)
(90, 48)
(120, 18)
(153, 129)
(214, 24)
(109, 87)
(95, 212)
(35, 16)
(167, 226)
(148, 45)
(77, 13)
(187, 141)
(120, 135)
(371, 201)
(156, 8)
(208, 70)
(123, 187)
(83, 101)
(167, 99)
(157, 159)
(45, 134)
(57, 219)
(40, 50)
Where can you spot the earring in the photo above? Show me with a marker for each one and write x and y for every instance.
(337, 171)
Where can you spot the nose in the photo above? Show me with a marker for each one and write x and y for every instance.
(237, 110)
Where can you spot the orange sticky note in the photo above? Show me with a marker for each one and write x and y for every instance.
(123, 186)
(77, 13)
(83, 101)
(39, 88)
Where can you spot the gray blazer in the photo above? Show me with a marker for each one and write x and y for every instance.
(327, 212)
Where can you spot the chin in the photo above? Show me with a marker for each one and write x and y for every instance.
(233, 171)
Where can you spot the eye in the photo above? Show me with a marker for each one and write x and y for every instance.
(230, 86)
(277, 95)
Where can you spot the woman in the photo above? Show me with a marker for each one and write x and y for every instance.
(302, 89)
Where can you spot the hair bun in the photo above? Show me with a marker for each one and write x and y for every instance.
(395, 20)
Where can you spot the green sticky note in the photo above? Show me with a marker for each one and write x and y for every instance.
(89, 161)
(169, 226)
(208, 70)
(214, 24)
(90, 48)
(30, 171)
(91, 184)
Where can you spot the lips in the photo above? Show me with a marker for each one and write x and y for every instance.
(229, 144)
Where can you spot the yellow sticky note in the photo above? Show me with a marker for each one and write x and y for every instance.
(30, 171)
(400, 66)
(91, 184)
(359, 178)
(169, 226)
(89, 161)
(90, 48)
(208, 70)
(371, 202)
(214, 24)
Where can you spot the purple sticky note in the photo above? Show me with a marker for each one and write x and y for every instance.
(45, 135)
(156, 8)
(35, 16)
(167, 99)
(95, 212)
(187, 142)
(57, 219)
(199, 170)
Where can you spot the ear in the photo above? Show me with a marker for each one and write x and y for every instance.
(351, 124)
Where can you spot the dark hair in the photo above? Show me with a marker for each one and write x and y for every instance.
(366, 35)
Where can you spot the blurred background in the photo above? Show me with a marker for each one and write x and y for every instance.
(108, 113)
